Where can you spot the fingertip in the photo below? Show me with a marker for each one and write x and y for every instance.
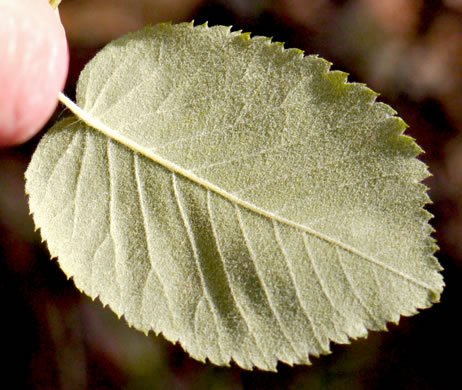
(34, 67)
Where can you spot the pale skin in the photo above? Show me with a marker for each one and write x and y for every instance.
(33, 67)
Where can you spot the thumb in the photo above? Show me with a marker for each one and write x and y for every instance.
(34, 62)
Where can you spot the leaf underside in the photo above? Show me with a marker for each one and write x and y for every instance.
(237, 197)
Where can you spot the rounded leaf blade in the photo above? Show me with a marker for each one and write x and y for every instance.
(240, 198)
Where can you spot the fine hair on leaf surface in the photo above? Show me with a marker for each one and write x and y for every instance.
(235, 196)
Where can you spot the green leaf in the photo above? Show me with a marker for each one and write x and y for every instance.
(235, 196)
(55, 3)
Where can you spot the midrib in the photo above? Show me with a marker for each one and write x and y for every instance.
(127, 142)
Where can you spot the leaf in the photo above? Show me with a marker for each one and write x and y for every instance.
(55, 3)
(235, 196)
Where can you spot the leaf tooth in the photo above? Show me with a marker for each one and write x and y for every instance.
(279, 45)
(337, 76)
(226, 29)
(245, 36)
(267, 41)
(246, 364)
(397, 137)
(295, 53)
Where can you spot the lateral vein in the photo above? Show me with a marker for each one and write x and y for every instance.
(194, 249)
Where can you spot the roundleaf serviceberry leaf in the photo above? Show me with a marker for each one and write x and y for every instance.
(235, 196)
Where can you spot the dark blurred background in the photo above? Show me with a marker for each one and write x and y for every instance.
(408, 50)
